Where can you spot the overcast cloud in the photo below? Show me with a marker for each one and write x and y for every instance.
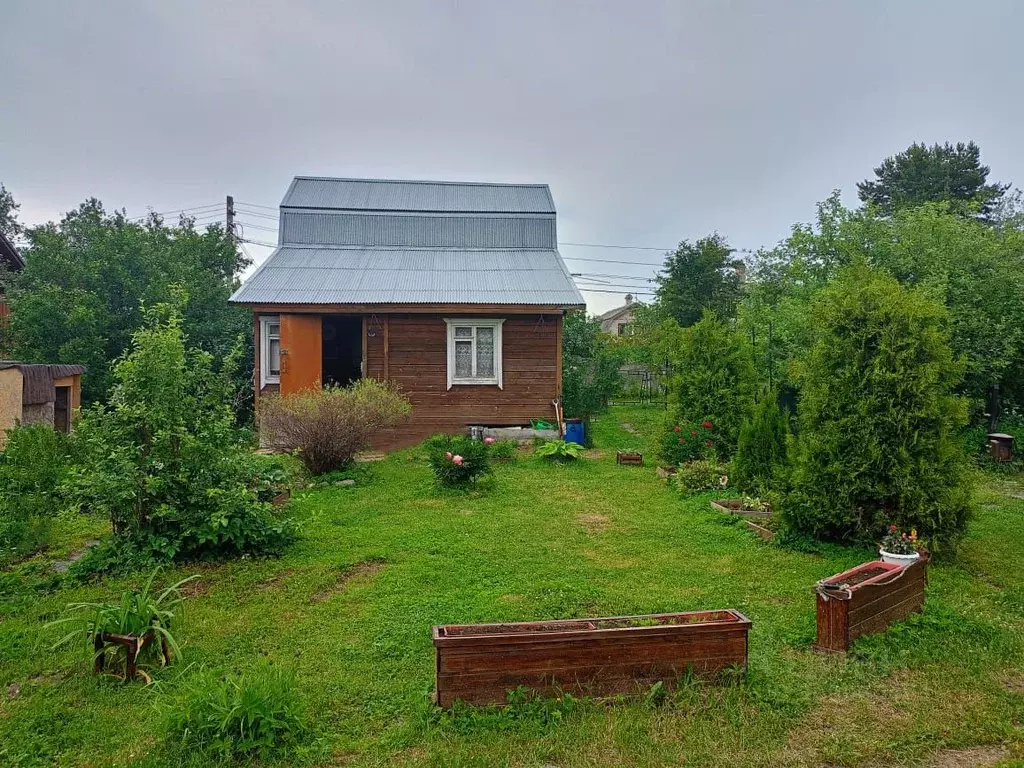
(651, 121)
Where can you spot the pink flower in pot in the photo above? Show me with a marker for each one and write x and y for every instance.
(457, 460)
(489, 440)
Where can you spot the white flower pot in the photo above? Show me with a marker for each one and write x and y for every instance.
(889, 557)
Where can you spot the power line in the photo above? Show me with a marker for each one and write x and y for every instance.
(257, 205)
(168, 213)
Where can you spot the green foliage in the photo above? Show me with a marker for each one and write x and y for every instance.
(941, 173)
(714, 380)
(504, 449)
(10, 227)
(458, 461)
(138, 612)
(163, 462)
(878, 419)
(32, 468)
(700, 476)
(256, 714)
(590, 367)
(761, 455)
(697, 277)
(687, 441)
(559, 450)
(86, 279)
(329, 426)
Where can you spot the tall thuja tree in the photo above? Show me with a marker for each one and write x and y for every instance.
(87, 277)
(941, 173)
(878, 416)
(761, 454)
(714, 380)
(699, 276)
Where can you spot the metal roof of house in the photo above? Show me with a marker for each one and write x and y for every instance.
(9, 254)
(318, 275)
(432, 196)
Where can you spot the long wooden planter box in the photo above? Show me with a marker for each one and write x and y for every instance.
(866, 599)
(735, 507)
(479, 663)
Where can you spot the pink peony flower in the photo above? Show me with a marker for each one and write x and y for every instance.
(675, 429)
(488, 440)
(707, 425)
(457, 460)
(447, 454)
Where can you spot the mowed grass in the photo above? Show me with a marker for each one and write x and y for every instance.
(351, 607)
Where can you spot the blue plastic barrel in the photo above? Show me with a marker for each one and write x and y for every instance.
(574, 431)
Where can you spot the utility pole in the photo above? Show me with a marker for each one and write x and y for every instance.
(230, 219)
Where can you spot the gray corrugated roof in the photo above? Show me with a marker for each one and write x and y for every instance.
(434, 196)
(312, 275)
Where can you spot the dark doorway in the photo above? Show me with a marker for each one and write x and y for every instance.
(62, 409)
(342, 349)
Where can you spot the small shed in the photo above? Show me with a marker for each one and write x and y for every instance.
(38, 394)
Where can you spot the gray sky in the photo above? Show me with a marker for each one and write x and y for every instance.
(651, 121)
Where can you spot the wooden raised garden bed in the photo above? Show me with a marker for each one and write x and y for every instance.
(634, 458)
(479, 663)
(735, 507)
(866, 599)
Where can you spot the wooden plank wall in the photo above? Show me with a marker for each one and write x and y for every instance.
(411, 350)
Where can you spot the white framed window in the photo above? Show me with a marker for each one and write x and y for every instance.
(270, 350)
(474, 351)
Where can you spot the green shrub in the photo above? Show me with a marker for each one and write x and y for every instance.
(559, 450)
(504, 450)
(687, 441)
(32, 468)
(590, 367)
(458, 461)
(257, 714)
(700, 476)
(761, 455)
(163, 461)
(329, 426)
(138, 612)
(878, 418)
(714, 380)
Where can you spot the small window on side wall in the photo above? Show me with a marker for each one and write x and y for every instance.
(474, 351)
(270, 350)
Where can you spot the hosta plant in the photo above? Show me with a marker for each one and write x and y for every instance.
(559, 450)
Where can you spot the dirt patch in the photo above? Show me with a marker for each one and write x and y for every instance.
(195, 588)
(593, 453)
(512, 598)
(609, 559)
(628, 428)
(276, 579)
(976, 757)
(364, 569)
(594, 522)
(1014, 681)
(366, 457)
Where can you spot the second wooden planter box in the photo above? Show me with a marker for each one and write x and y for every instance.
(480, 663)
(866, 599)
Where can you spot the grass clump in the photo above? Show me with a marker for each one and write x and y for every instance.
(255, 714)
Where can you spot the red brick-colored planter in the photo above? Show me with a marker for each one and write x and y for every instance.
(634, 458)
(866, 599)
(480, 663)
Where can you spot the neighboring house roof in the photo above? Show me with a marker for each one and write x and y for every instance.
(611, 314)
(367, 241)
(9, 255)
(38, 379)
(435, 196)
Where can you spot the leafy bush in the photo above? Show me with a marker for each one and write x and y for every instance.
(559, 450)
(504, 450)
(590, 367)
(715, 379)
(329, 426)
(687, 441)
(257, 714)
(163, 462)
(458, 461)
(136, 613)
(761, 455)
(878, 417)
(700, 476)
(32, 469)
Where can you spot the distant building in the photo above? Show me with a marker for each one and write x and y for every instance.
(618, 321)
(11, 261)
(38, 394)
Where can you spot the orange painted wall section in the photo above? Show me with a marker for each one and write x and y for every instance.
(301, 353)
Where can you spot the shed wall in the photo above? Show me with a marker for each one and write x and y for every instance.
(10, 401)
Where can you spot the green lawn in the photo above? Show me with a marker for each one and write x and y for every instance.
(352, 603)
